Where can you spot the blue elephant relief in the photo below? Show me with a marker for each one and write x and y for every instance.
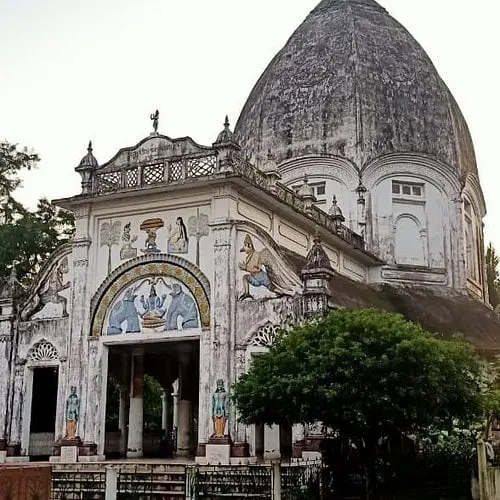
(124, 310)
(184, 306)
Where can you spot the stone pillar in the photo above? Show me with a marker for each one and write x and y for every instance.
(14, 442)
(122, 418)
(175, 404)
(222, 339)
(259, 441)
(185, 406)
(164, 412)
(184, 428)
(136, 417)
(83, 365)
(6, 336)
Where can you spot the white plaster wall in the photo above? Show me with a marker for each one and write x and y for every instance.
(135, 216)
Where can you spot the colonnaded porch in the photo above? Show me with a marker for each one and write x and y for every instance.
(152, 400)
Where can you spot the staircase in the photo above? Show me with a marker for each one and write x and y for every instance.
(154, 481)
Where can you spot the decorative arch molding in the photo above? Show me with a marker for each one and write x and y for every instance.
(44, 273)
(164, 264)
(473, 189)
(264, 336)
(324, 167)
(42, 352)
(421, 166)
(412, 217)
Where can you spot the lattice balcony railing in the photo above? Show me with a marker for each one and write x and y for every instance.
(179, 169)
(152, 174)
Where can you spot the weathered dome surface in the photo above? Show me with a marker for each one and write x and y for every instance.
(351, 81)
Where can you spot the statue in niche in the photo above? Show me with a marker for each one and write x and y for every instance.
(50, 292)
(110, 236)
(124, 310)
(262, 270)
(72, 413)
(151, 226)
(128, 251)
(220, 410)
(182, 306)
(177, 237)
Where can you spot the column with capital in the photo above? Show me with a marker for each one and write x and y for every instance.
(136, 409)
(216, 365)
(81, 364)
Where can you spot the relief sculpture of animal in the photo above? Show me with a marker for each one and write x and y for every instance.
(124, 310)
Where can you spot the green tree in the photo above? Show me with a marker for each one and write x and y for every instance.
(492, 277)
(27, 237)
(366, 374)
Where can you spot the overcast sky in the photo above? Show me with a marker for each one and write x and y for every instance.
(74, 70)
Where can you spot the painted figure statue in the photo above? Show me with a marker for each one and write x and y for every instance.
(128, 251)
(220, 409)
(178, 237)
(50, 292)
(263, 270)
(153, 307)
(72, 413)
(181, 305)
(124, 310)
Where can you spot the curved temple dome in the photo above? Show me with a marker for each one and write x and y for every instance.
(351, 81)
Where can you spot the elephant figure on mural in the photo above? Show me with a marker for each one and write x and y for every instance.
(184, 306)
(124, 310)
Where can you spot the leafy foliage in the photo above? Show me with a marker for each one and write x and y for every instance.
(492, 276)
(365, 373)
(28, 237)
(368, 375)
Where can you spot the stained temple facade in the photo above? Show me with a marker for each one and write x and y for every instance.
(187, 260)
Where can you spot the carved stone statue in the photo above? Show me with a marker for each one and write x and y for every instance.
(155, 117)
(220, 409)
(72, 413)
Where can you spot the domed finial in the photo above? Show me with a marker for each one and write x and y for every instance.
(226, 136)
(336, 213)
(306, 191)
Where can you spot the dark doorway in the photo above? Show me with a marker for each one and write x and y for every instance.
(43, 412)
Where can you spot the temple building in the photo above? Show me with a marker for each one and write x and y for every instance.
(349, 180)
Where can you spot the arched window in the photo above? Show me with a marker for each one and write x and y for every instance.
(409, 241)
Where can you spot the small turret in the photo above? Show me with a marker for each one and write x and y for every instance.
(87, 166)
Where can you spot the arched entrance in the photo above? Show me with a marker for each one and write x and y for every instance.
(150, 314)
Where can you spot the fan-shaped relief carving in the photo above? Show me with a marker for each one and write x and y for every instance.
(265, 336)
(43, 351)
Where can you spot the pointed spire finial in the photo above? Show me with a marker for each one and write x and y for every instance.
(226, 123)
(89, 149)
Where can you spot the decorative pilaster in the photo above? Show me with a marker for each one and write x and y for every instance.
(7, 314)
